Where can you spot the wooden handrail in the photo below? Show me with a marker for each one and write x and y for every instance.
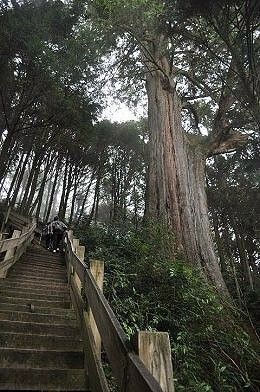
(10, 243)
(129, 370)
(15, 247)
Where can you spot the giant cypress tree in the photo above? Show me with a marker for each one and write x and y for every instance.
(176, 178)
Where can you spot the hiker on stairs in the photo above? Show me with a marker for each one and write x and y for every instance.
(58, 228)
(47, 234)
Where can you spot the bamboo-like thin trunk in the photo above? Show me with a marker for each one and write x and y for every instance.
(85, 197)
(50, 204)
(65, 178)
(76, 176)
(42, 186)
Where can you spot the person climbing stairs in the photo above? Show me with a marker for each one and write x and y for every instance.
(40, 345)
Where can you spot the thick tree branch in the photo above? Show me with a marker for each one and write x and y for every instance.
(229, 143)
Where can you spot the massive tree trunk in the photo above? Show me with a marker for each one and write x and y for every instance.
(176, 178)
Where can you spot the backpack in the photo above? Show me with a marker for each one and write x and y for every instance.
(59, 226)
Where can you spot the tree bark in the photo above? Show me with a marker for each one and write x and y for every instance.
(73, 199)
(67, 193)
(176, 178)
(50, 202)
(86, 196)
(4, 154)
(16, 175)
(24, 198)
(42, 187)
(246, 272)
(65, 179)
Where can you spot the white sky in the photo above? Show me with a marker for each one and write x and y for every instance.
(119, 112)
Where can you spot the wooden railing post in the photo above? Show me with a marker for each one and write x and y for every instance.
(9, 254)
(97, 270)
(80, 252)
(154, 351)
(70, 234)
(70, 238)
(75, 243)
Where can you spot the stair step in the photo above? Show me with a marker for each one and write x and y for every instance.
(28, 316)
(35, 302)
(26, 278)
(32, 294)
(28, 358)
(33, 287)
(38, 328)
(43, 379)
(51, 257)
(40, 342)
(68, 313)
(41, 267)
(29, 282)
(38, 274)
(46, 262)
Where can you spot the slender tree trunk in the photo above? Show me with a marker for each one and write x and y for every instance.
(36, 172)
(135, 207)
(94, 209)
(9, 163)
(243, 257)
(76, 177)
(176, 184)
(95, 217)
(48, 195)
(56, 177)
(20, 179)
(218, 240)
(28, 184)
(23, 187)
(65, 178)
(86, 196)
(42, 186)
(4, 154)
(67, 193)
(16, 176)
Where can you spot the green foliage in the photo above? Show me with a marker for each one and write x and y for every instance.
(233, 205)
(147, 290)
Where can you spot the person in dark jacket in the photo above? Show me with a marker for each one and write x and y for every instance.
(47, 234)
(58, 228)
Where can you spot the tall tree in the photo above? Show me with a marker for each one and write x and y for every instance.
(176, 178)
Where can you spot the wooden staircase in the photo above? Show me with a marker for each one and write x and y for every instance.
(40, 346)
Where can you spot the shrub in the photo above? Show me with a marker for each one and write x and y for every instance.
(150, 291)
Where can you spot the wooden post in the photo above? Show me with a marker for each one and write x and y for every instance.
(9, 254)
(70, 234)
(154, 351)
(80, 252)
(75, 243)
(97, 270)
